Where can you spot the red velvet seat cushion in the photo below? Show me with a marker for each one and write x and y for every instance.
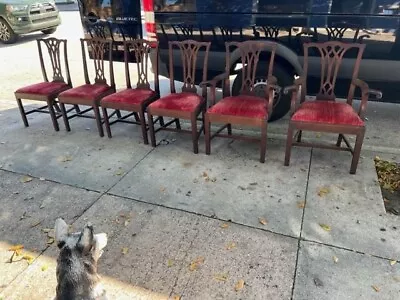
(241, 106)
(327, 112)
(128, 96)
(178, 101)
(86, 91)
(43, 88)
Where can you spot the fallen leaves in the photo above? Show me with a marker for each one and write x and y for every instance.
(335, 259)
(177, 297)
(170, 263)
(224, 225)
(29, 258)
(16, 248)
(124, 250)
(301, 204)
(36, 223)
(25, 179)
(239, 285)
(231, 246)
(65, 158)
(393, 262)
(263, 221)
(376, 288)
(194, 265)
(50, 241)
(44, 268)
(119, 172)
(325, 227)
(17, 251)
(221, 277)
(388, 174)
(322, 192)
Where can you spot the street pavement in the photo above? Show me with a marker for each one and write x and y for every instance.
(186, 226)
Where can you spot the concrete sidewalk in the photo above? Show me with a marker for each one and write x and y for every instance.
(326, 234)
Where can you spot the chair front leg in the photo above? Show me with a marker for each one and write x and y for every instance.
(50, 105)
(143, 126)
(229, 127)
(207, 133)
(178, 124)
(289, 142)
(151, 129)
(263, 150)
(107, 122)
(357, 152)
(339, 140)
(195, 139)
(22, 111)
(96, 111)
(65, 117)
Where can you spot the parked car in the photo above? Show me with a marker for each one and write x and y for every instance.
(25, 16)
(375, 23)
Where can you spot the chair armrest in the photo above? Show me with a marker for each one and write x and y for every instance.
(365, 88)
(294, 89)
(273, 83)
(213, 82)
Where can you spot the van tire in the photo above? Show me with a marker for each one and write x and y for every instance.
(7, 35)
(284, 78)
(50, 30)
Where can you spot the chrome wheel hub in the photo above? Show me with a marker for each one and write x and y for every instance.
(4, 32)
(259, 89)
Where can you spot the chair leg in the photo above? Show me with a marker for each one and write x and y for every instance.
(143, 125)
(77, 109)
(194, 134)
(53, 115)
(299, 136)
(178, 124)
(55, 104)
(65, 117)
(339, 140)
(136, 116)
(162, 123)
(107, 122)
(229, 127)
(22, 111)
(289, 142)
(263, 149)
(118, 113)
(151, 129)
(207, 133)
(357, 152)
(96, 111)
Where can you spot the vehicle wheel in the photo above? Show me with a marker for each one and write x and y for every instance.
(281, 101)
(7, 35)
(50, 30)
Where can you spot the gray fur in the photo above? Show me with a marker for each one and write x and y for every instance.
(77, 277)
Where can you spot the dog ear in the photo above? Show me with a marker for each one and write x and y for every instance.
(85, 241)
(61, 232)
(100, 241)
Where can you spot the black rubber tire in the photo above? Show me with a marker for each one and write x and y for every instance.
(12, 37)
(284, 77)
(50, 30)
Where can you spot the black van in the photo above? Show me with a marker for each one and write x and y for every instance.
(290, 23)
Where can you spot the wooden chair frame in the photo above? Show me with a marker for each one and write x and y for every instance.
(332, 54)
(250, 52)
(100, 48)
(140, 48)
(189, 50)
(54, 47)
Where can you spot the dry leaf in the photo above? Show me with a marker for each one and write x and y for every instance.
(376, 288)
(239, 285)
(205, 174)
(44, 268)
(46, 230)
(119, 172)
(26, 179)
(393, 262)
(263, 221)
(195, 264)
(170, 263)
(335, 259)
(124, 250)
(28, 258)
(301, 204)
(37, 223)
(50, 241)
(224, 225)
(323, 191)
(16, 248)
(162, 189)
(64, 158)
(231, 245)
(177, 297)
(221, 277)
(325, 227)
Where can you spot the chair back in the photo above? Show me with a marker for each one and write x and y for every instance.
(192, 59)
(56, 56)
(139, 51)
(331, 57)
(99, 51)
